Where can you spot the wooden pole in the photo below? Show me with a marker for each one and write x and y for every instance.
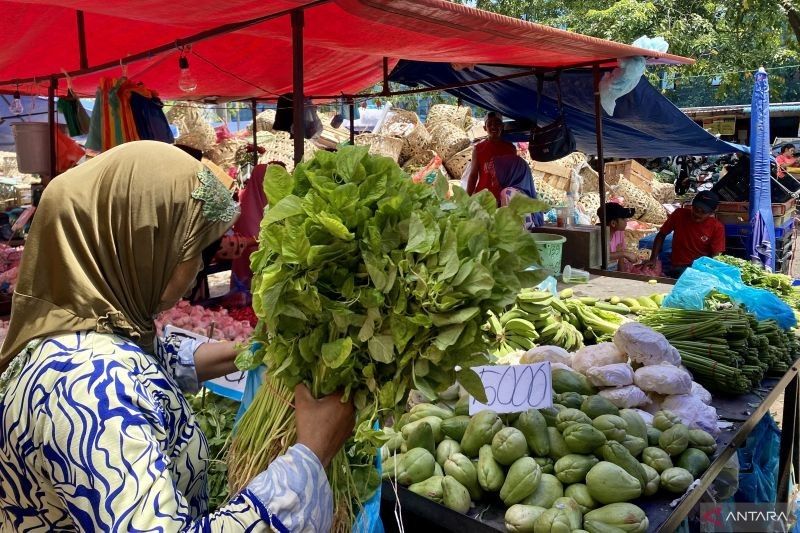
(51, 122)
(598, 123)
(298, 99)
(83, 57)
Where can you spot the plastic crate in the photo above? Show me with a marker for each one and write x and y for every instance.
(744, 230)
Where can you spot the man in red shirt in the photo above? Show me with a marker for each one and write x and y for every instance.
(696, 233)
(482, 175)
(786, 159)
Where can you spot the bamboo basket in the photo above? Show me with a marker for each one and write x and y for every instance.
(264, 121)
(419, 161)
(381, 145)
(224, 153)
(589, 203)
(648, 209)
(448, 140)
(457, 164)
(664, 193)
(547, 193)
(458, 116)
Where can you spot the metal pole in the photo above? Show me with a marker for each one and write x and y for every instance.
(254, 110)
(298, 101)
(352, 105)
(51, 122)
(787, 452)
(84, 58)
(386, 89)
(598, 124)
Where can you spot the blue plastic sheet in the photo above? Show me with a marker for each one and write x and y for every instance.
(762, 239)
(707, 274)
(645, 123)
(369, 519)
(758, 460)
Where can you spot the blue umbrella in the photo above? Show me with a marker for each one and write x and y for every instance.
(762, 240)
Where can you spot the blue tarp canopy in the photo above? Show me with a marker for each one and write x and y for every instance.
(645, 123)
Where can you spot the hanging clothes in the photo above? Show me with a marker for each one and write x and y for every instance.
(151, 123)
(95, 139)
(75, 115)
(126, 111)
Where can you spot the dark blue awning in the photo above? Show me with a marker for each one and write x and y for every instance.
(645, 123)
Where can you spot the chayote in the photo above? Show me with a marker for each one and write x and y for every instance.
(490, 474)
(609, 483)
(508, 445)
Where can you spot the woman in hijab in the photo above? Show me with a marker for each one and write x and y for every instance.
(95, 434)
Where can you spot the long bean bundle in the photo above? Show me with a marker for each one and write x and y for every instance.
(726, 349)
(367, 282)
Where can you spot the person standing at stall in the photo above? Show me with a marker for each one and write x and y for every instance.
(95, 432)
(481, 174)
(696, 233)
(786, 159)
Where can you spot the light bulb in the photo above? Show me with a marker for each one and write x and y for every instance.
(16, 104)
(186, 82)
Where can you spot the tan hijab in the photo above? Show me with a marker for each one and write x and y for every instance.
(106, 239)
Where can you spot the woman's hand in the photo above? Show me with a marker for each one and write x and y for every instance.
(323, 425)
(631, 257)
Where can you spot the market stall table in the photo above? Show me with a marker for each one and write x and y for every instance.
(742, 412)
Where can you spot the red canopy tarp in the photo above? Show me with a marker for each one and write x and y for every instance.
(345, 42)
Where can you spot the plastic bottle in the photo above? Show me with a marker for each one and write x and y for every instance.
(570, 210)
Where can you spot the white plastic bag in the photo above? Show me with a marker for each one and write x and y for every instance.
(554, 354)
(645, 346)
(625, 397)
(701, 393)
(605, 353)
(616, 375)
(647, 417)
(693, 412)
(562, 366)
(654, 405)
(663, 379)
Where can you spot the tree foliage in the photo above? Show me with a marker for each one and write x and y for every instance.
(727, 37)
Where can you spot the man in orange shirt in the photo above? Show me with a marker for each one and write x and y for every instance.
(785, 159)
(697, 233)
(482, 175)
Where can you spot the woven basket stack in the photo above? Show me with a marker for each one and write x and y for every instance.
(224, 153)
(279, 146)
(383, 145)
(406, 125)
(460, 116)
(648, 209)
(664, 193)
(448, 140)
(194, 129)
(264, 121)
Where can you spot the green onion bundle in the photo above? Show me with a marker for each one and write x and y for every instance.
(726, 349)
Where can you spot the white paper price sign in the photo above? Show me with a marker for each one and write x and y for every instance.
(514, 388)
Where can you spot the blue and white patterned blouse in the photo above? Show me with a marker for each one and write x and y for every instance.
(96, 436)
